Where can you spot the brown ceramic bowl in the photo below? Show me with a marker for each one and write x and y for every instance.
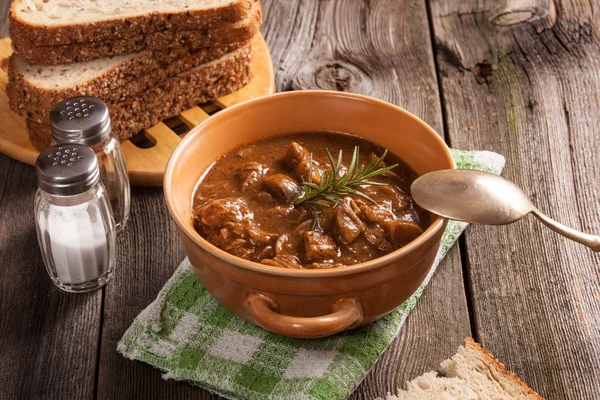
(293, 302)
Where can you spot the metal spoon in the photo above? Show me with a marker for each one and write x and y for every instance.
(486, 199)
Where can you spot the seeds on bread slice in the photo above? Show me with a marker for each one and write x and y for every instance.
(471, 374)
(33, 90)
(198, 85)
(61, 22)
(80, 52)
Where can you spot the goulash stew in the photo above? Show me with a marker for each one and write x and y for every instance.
(320, 200)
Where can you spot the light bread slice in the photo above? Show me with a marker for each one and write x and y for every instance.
(198, 85)
(33, 90)
(60, 22)
(471, 374)
(221, 35)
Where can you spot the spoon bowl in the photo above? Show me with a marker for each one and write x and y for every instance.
(483, 198)
(471, 196)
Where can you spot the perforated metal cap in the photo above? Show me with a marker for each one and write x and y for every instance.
(81, 120)
(67, 170)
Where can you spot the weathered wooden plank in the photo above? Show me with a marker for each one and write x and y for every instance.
(149, 250)
(48, 338)
(427, 337)
(4, 7)
(530, 91)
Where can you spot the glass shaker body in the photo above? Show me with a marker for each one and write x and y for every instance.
(113, 174)
(85, 120)
(76, 235)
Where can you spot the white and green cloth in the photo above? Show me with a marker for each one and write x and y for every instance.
(189, 336)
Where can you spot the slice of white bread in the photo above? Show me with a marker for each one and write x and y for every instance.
(221, 35)
(471, 374)
(33, 89)
(202, 84)
(59, 22)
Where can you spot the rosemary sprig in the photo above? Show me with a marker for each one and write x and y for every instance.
(334, 185)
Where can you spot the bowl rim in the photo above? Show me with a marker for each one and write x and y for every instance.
(438, 224)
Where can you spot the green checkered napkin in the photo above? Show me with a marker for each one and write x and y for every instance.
(186, 333)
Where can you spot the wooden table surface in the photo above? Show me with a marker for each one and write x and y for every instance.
(523, 81)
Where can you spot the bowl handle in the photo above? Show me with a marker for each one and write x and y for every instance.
(346, 313)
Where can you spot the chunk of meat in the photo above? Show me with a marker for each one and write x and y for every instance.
(243, 238)
(237, 228)
(234, 244)
(280, 211)
(303, 227)
(250, 174)
(348, 225)
(265, 197)
(260, 237)
(375, 213)
(289, 244)
(297, 214)
(281, 186)
(283, 261)
(401, 232)
(267, 252)
(398, 202)
(218, 212)
(376, 236)
(283, 245)
(298, 158)
(319, 247)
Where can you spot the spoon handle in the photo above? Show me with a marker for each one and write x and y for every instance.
(591, 241)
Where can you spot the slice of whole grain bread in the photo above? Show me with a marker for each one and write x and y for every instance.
(33, 90)
(199, 85)
(471, 374)
(80, 52)
(61, 22)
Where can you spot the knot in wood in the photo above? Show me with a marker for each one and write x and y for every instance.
(483, 71)
(333, 75)
(512, 17)
(515, 12)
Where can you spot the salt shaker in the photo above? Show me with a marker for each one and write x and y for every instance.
(85, 121)
(74, 223)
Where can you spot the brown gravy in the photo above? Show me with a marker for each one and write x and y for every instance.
(244, 205)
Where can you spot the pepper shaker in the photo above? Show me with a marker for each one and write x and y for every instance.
(85, 121)
(74, 223)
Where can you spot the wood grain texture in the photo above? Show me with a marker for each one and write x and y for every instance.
(149, 251)
(530, 91)
(4, 7)
(48, 338)
(431, 334)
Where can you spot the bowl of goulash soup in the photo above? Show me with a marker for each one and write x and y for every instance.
(295, 208)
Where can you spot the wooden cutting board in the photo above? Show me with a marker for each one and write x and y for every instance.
(147, 153)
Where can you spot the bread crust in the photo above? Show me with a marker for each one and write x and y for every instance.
(199, 85)
(39, 134)
(141, 72)
(123, 27)
(193, 39)
(499, 367)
